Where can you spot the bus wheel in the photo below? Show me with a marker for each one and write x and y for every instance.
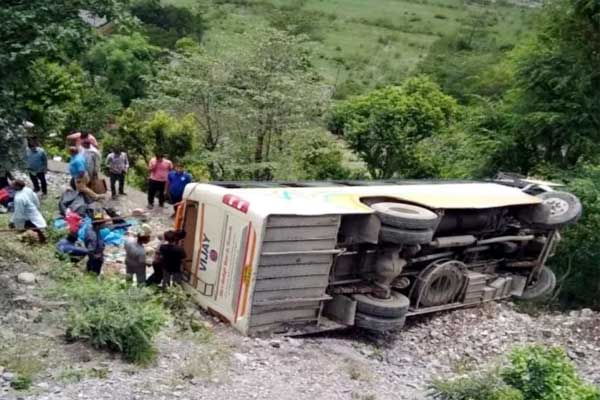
(405, 236)
(394, 306)
(379, 324)
(405, 216)
(541, 288)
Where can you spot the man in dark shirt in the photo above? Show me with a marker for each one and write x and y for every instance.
(171, 255)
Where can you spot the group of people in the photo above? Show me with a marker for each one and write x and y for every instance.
(166, 179)
(86, 163)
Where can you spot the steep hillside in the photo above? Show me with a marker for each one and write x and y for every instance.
(365, 43)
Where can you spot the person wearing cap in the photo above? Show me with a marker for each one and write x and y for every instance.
(94, 243)
(37, 166)
(135, 254)
(78, 171)
(27, 213)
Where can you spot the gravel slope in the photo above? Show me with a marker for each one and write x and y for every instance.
(343, 365)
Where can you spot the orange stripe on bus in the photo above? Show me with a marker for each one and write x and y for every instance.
(248, 273)
(195, 271)
(243, 269)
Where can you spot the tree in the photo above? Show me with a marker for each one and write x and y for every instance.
(194, 82)
(385, 126)
(12, 145)
(61, 97)
(557, 89)
(274, 89)
(30, 30)
(165, 24)
(244, 98)
(120, 63)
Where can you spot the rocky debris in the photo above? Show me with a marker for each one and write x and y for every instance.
(26, 278)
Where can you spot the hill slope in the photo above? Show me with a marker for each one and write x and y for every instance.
(364, 43)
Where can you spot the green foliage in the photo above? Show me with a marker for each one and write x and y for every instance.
(120, 62)
(467, 73)
(62, 97)
(165, 24)
(577, 258)
(111, 314)
(557, 89)
(40, 29)
(485, 386)
(170, 136)
(244, 99)
(12, 144)
(319, 157)
(385, 126)
(21, 382)
(532, 373)
(546, 373)
(295, 20)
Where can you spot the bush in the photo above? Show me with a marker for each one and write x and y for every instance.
(533, 373)
(546, 373)
(487, 386)
(21, 382)
(112, 315)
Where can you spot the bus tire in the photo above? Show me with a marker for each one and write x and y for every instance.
(393, 307)
(394, 235)
(378, 324)
(541, 288)
(564, 208)
(405, 216)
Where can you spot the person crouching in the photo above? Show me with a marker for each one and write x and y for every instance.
(172, 256)
(135, 255)
(27, 213)
(94, 243)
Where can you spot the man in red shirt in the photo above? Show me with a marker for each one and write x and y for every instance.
(159, 168)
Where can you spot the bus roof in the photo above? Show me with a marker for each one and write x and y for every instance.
(340, 199)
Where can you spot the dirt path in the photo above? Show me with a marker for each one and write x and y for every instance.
(225, 365)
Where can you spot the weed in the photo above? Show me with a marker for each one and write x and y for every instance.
(71, 375)
(21, 382)
(358, 372)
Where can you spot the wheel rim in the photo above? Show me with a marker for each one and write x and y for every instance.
(557, 206)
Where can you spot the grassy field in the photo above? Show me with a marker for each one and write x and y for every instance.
(363, 43)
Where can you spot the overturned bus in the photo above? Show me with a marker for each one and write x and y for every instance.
(268, 256)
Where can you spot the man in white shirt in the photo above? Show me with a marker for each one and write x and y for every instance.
(27, 213)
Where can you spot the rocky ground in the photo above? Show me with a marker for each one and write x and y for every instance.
(224, 365)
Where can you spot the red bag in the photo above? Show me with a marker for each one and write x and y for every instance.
(4, 196)
(73, 221)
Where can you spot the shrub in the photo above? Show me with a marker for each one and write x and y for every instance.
(21, 382)
(532, 373)
(546, 373)
(486, 386)
(112, 315)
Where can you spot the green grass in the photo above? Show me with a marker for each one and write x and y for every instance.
(370, 42)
